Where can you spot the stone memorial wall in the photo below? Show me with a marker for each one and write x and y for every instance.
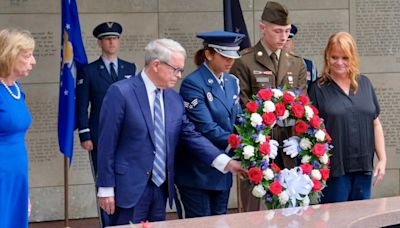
(373, 23)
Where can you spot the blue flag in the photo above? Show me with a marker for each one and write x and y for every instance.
(234, 21)
(73, 57)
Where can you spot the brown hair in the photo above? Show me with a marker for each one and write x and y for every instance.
(12, 42)
(346, 43)
(200, 55)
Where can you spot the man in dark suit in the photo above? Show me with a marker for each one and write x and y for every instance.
(141, 122)
(92, 84)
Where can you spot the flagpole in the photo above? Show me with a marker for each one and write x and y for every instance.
(66, 215)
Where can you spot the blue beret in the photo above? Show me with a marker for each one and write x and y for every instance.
(225, 43)
(107, 29)
(293, 31)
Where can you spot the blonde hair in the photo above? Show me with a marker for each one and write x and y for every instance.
(346, 43)
(12, 42)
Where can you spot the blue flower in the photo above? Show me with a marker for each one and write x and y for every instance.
(255, 137)
(316, 164)
(264, 164)
(268, 197)
(253, 163)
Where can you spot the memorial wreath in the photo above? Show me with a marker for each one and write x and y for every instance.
(282, 188)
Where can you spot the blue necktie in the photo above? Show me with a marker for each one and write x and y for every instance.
(113, 73)
(158, 174)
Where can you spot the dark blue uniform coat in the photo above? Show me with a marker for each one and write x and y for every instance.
(213, 111)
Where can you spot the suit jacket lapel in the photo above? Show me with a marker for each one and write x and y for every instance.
(143, 100)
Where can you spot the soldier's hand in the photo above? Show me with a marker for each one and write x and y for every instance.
(234, 166)
(291, 146)
(87, 145)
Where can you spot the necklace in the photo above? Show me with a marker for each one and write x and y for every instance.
(18, 96)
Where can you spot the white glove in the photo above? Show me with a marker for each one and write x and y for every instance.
(285, 122)
(291, 146)
(273, 147)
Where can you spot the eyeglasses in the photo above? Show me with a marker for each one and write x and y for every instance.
(176, 69)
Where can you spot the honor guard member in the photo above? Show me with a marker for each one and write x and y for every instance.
(211, 98)
(267, 65)
(312, 72)
(92, 84)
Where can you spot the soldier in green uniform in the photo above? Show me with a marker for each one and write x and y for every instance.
(267, 65)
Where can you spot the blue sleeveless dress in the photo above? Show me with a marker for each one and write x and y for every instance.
(14, 122)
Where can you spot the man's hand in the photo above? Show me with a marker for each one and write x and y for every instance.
(273, 148)
(291, 146)
(234, 166)
(107, 204)
(87, 145)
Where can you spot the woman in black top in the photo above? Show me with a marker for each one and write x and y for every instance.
(347, 102)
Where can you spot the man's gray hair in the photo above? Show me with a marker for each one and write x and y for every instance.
(162, 49)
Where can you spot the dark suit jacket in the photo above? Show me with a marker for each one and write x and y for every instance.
(126, 140)
(91, 86)
(213, 111)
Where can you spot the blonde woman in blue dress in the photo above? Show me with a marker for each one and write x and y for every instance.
(16, 62)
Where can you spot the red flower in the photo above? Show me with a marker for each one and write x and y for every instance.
(275, 168)
(315, 121)
(234, 140)
(255, 175)
(327, 136)
(252, 106)
(314, 109)
(265, 148)
(280, 109)
(275, 188)
(287, 98)
(297, 110)
(303, 99)
(300, 127)
(269, 118)
(307, 168)
(317, 185)
(265, 94)
(318, 149)
(324, 173)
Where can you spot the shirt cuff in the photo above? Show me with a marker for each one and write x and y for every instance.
(220, 162)
(105, 192)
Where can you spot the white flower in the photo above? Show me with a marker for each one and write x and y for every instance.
(277, 93)
(324, 159)
(258, 191)
(305, 144)
(305, 159)
(320, 135)
(268, 174)
(261, 139)
(256, 119)
(248, 152)
(316, 174)
(269, 106)
(283, 197)
(285, 115)
(309, 112)
(269, 214)
(306, 201)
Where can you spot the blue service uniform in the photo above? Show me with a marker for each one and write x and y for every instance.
(91, 87)
(213, 110)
